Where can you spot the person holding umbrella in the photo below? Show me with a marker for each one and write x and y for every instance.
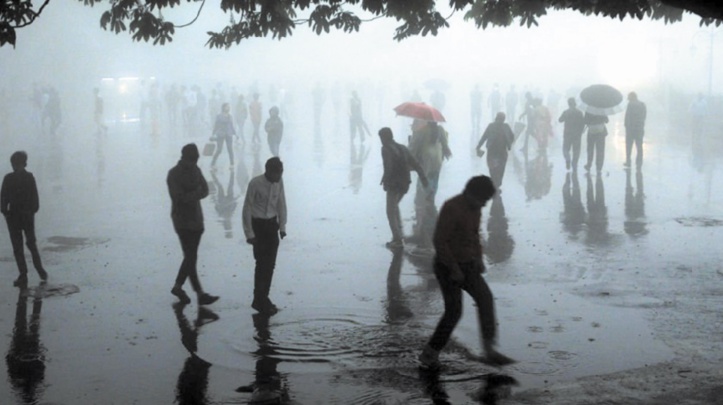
(598, 101)
(428, 144)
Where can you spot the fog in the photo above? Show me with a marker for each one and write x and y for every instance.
(67, 47)
(593, 274)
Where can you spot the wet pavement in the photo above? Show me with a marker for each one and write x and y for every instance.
(595, 277)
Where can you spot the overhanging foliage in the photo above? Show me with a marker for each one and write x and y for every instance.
(143, 19)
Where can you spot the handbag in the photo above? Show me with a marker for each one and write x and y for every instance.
(209, 148)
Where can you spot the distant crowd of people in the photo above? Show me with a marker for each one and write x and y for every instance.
(449, 235)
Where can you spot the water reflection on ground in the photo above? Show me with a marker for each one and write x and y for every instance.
(567, 255)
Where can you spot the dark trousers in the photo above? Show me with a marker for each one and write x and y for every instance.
(477, 288)
(255, 137)
(220, 140)
(596, 150)
(393, 215)
(190, 240)
(19, 223)
(266, 247)
(571, 143)
(274, 141)
(634, 138)
(496, 165)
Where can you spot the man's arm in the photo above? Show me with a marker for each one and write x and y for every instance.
(246, 212)
(485, 135)
(417, 168)
(203, 187)
(282, 210)
(179, 194)
(509, 136)
(4, 197)
(34, 198)
(644, 114)
(386, 164)
(442, 235)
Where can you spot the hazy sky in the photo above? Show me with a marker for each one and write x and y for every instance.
(67, 45)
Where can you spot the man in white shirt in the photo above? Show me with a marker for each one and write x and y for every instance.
(264, 220)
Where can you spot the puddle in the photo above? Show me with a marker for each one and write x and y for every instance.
(68, 243)
(558, 336)
(699, 221)
(51, 290)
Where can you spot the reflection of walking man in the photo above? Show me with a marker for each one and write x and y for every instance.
(634, 129)
(264, 220)
(19, 203)
(269, 386)
(398, 162)
(187, 188)
(458, 266)
(26, 356)
(192, 385)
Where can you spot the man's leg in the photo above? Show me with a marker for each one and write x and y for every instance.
(16, 239)
(600, 152)
(566, 145)
(229, 148)
(393, 214)
(576, 151)
(256, 138)
(190, 240)
(28, 225)
(480, 292)
(352, 129)
(590, 150)
(219, 147)
(265, 251)
(639, 147)
(452, 294)
(629, 139)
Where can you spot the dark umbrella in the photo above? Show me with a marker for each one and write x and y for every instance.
(601, 99)
(420, 111)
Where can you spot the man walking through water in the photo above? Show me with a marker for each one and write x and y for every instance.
(19, 203)
(264, 221)
(458, 266)
(187, 188)
(398, 162)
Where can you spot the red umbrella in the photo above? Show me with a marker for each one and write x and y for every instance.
(420, 111)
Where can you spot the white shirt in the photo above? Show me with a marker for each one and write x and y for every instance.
(264, 200)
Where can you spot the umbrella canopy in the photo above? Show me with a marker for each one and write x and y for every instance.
(601, 99)
(420, 111)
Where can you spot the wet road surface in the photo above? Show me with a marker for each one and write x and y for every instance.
(592, 275)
